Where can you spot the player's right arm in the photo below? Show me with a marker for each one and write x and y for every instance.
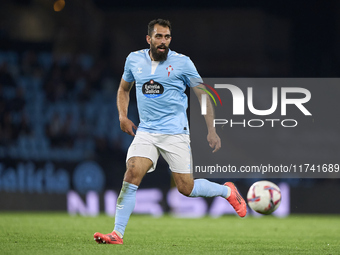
(123, 99)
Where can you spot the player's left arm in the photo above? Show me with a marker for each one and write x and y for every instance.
(213, 138)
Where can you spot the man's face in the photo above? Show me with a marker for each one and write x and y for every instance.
(159, 42)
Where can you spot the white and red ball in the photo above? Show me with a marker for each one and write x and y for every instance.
(264, 197)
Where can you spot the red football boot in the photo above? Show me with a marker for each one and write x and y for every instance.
(236, 200)
(111, 238)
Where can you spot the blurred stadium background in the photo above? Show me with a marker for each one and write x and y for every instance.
(61, 147)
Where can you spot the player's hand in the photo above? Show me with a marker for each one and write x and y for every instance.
(214, 141)
(127, 126)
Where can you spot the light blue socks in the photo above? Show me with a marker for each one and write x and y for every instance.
(125, 205)
(127, 199)
(205, 188)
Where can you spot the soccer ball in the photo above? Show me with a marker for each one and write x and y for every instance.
(264, 197)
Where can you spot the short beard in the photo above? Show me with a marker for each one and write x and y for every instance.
(159, 56)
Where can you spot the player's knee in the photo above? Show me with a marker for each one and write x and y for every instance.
(131, 168)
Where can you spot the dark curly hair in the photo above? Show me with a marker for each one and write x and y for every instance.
(161, 22)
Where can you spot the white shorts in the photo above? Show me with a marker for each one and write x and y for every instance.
(175, 149)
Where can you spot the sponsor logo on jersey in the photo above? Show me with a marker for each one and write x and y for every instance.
(152, 89)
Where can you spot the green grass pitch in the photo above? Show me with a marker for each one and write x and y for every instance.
(59, 233)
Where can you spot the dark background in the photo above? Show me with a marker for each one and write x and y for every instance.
(59, 73)
(314, 140)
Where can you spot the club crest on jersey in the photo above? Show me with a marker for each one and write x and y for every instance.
(152, 89)
(169, 68)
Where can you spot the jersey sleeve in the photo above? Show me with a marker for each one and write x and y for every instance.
(127, 75)
(191, 76)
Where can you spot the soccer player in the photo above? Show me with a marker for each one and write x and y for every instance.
(161, 76)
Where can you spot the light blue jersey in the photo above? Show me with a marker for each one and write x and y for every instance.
(160, 88)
